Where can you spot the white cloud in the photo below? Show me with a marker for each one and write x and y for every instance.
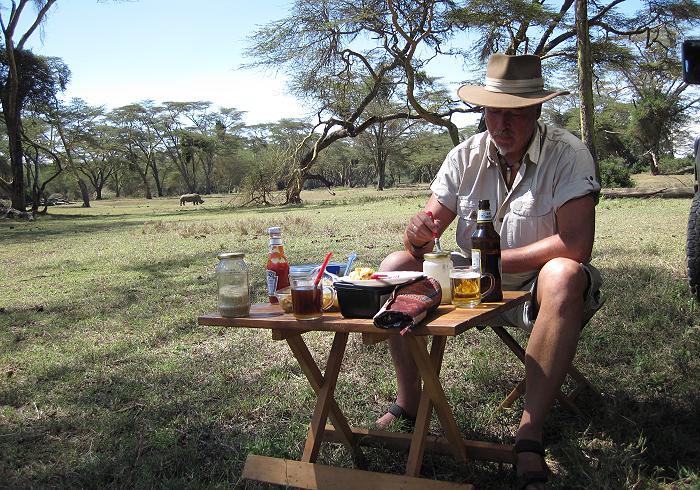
(262, 97)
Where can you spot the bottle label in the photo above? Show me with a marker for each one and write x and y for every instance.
(484, 215)
(476, 258)
(271, 282)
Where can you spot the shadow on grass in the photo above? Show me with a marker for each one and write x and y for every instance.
(176, 405)
(137, 427)
(641, 351)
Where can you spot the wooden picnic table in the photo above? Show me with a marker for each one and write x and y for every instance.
(446, 321)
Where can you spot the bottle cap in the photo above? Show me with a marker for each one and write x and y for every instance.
(274, 230)
(484, 204)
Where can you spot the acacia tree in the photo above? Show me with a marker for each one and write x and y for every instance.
(73, 123)
(652, 82)
(16, 85)
(188, 132)
(341, 56)
(97, 157)
(136, 136)
(37, 135)
(590, 35)
(381, 141)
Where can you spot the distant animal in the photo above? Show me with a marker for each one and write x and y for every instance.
(193, 198)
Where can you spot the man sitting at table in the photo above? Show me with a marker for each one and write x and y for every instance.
(541, 183)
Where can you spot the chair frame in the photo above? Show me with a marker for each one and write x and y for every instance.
(566, 400)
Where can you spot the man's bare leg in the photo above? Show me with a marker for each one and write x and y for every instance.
(408, 383)
(550, 349)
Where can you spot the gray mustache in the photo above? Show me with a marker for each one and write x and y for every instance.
(504, 132)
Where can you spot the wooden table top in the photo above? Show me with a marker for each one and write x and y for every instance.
(446, 320)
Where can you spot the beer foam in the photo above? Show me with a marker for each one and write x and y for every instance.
(465, 275)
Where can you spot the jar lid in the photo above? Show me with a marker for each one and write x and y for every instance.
(230, 255)
(301, 273)
(436, 255)
(300, 270)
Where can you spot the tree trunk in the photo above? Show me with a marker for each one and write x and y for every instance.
(84, 193)
(585, 81)
(156, 177)
(294, 186)
(381, 169)
(654, 162)
(146, 187)
(18, 190)
(36, 190)
(117, 184)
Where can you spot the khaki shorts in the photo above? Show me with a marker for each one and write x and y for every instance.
(524, 315)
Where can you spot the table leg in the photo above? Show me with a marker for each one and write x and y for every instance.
(431, 385)
(324, 391)
(425, 409)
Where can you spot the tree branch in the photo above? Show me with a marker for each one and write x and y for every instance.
(37, 21)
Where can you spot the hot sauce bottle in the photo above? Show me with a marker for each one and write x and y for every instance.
(277, 269)
(486, 250)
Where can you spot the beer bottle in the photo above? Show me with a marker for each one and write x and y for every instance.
(486, 251)
(277, 269)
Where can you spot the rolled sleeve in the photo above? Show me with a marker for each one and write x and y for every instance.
(576, 179)
(445, 185)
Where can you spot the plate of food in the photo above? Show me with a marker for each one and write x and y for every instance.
(366, 276)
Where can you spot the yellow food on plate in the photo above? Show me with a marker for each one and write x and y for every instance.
(361, 273)
(286, 303)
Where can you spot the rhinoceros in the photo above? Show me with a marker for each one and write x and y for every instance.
(193, 198)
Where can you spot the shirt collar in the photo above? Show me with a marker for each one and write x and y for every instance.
(532, 154)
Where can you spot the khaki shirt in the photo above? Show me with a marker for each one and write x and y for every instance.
(556, 168)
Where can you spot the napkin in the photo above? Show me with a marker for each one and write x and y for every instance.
(409, 304)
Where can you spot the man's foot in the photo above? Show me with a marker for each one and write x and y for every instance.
(531, 469)
(396, 413)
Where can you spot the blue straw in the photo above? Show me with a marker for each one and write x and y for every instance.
(351, 259)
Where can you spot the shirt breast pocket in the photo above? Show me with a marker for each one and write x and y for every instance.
(466, 210)
(529, 220)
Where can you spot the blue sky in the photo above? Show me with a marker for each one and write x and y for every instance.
(123, 52)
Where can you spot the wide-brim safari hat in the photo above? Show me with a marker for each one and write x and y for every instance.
(512, 82)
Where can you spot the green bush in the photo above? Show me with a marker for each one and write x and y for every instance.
(671, 165)
(613, 173)
(641, 166)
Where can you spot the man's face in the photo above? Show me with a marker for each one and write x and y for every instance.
(511, 129)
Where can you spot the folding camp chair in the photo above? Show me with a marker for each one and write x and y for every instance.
(567, 400)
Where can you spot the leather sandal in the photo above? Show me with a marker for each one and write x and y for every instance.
(401, 415)
(530, 477)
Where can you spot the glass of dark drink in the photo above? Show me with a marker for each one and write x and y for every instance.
(309, 299)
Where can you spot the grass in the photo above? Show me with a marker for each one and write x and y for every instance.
(107, 381)
(647, 180)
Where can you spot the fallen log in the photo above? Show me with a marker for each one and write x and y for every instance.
(638, 192)
(12, 213)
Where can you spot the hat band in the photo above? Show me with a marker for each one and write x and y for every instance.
(514, 86)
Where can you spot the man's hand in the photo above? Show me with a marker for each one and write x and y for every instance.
(418, 236)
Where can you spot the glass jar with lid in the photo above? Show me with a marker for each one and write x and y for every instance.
(437, 265)
(232, 278)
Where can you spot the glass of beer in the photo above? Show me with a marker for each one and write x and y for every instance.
(309, 299)
(466, 286)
